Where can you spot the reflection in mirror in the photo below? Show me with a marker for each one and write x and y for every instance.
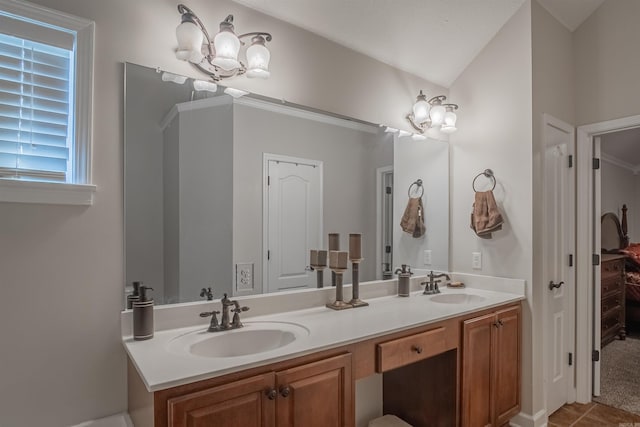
(233, 193)
(427, 161)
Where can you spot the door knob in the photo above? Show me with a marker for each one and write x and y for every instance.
(285, 391)
(271, 393)
(552, 285)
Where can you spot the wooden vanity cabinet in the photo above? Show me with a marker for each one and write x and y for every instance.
(491, 368)
(462, 371)
(318, 393)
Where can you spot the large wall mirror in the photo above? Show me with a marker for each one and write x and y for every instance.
(232, 193)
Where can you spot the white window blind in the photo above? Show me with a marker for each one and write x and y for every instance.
(36, 102)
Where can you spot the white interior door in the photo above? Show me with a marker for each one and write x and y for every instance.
(559, 249)
(294, 221)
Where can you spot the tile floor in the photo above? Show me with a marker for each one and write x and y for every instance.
(592, 415)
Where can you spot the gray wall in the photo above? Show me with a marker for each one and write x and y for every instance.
(206, 200)
(62, 266)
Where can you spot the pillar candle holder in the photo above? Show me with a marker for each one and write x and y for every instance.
(334, 245)
(338, 265)
(319, 263)
(355, 286)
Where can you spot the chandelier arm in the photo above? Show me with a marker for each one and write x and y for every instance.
(267, 36)
(453, 106)
(417, 126)
(437, 99)
(184, 9)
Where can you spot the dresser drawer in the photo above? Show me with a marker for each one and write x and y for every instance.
(611, 302)
(610, 285)
(403, 351)
(612, 268)
(611, 324)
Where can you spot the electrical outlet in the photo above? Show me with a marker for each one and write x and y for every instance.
(244, 276)
(476, 261)
(427, 257)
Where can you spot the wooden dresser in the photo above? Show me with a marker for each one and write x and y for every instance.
(612, 294)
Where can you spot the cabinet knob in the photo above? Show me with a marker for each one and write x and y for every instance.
(416, 348)
(496, 325)
(285, 391)
(271, 394)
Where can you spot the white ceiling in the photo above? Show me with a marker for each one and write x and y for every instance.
(433, 39)
(623, 147)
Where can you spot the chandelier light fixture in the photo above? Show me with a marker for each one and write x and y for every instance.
(433, 113)
(218, 57)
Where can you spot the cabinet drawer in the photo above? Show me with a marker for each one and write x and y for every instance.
(403, 351)
(611, 302)
(610, 285)
(611, 324)
(612, 268)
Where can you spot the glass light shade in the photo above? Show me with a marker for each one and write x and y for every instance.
(421, 111)
(189, 42)
(449, 123)
(236, 93)
(201, 85)
(227, 46)
(437, 115)
(258, 57)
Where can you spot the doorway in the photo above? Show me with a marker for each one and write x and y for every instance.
(589, 274)
(292, 220)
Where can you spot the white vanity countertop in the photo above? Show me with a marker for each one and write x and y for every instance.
(161, 368)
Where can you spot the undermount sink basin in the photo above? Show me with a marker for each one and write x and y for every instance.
(253, 338)
(457, 298)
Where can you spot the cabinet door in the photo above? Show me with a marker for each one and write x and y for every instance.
(316, 394)
(506, 390)
(242, 403)
(477, 370)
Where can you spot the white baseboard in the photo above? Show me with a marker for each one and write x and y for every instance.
(526, 420)
(118, 420)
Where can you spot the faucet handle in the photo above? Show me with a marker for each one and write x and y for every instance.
(239, 309)
(213, 326)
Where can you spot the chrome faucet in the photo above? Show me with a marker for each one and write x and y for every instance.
(431, 287)
(225, 324)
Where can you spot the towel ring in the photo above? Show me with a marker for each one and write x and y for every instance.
(419, 184)
(487, 173)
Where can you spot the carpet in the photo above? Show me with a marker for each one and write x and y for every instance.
(620, 375)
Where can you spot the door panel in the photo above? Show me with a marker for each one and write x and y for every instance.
(294, 223)
(317, 394)
(507, 354)
(558, 244)
(242, 403)
(477, 370)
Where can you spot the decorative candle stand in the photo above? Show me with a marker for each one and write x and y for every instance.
(338, 265)
(334, 245)
(355, 256)
(318, 263)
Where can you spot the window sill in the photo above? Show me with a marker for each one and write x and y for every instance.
(52, 193)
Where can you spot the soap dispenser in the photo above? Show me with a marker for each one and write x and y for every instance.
(143, 315)
(135, 296)
(404, 280)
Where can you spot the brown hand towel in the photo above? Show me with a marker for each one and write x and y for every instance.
(485, 217)
(413, 218)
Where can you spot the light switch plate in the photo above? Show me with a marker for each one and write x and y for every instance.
(476, 260)
(244, 276)
(427, 257)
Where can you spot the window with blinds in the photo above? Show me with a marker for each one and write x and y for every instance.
(36, 101)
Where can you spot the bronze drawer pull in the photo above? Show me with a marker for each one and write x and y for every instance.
(416, 348)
